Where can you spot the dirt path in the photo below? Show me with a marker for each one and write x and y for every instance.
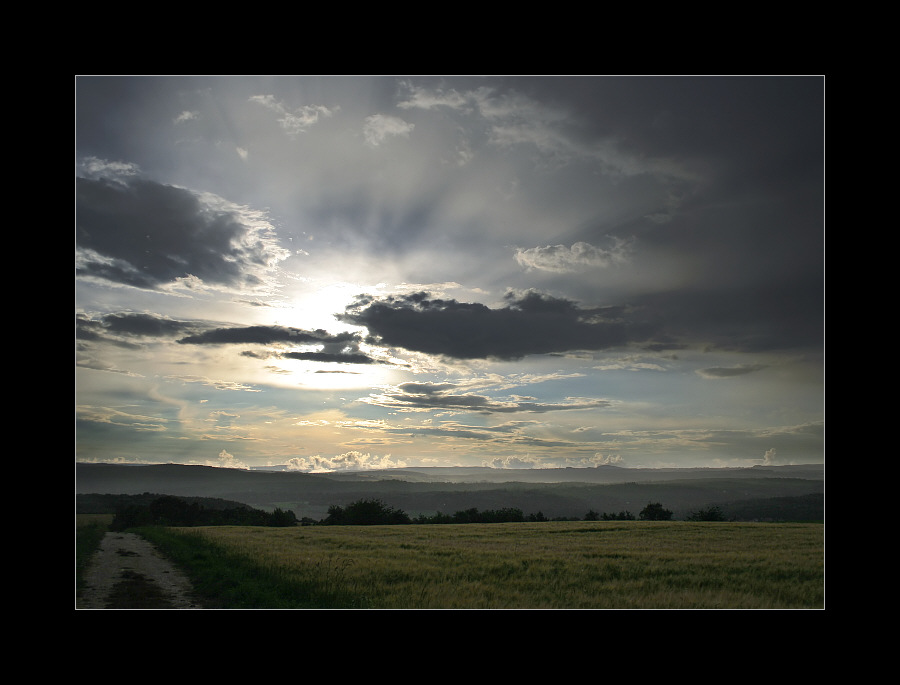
(128, 573)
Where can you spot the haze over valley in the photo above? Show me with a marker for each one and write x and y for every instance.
(755, 493)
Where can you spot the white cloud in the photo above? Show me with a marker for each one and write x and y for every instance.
(228, 461)
(92, 167)
(514, 118)
(380, 126)
(560, 258)
(512, 463)
(349, 461)
(293, 121)
(424, 98)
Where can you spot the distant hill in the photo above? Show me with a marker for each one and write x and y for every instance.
(598, 474)
(553, 492)
(803, 508)
(108, 503)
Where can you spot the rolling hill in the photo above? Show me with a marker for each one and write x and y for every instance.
(754, 493)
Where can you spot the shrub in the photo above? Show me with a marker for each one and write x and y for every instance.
(654, 512)
(711, 513)
(365, 512)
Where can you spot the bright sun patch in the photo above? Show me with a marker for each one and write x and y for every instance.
(317, 308)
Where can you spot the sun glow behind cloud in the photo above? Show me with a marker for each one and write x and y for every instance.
(321, 376)
(508, 270)
(315, 304)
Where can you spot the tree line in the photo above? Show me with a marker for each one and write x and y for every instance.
(169, 510)
(365, 512)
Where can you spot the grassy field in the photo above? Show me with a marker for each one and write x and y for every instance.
(89, 530)
(556, 565)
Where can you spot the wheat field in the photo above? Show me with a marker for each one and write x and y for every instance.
(552, 565)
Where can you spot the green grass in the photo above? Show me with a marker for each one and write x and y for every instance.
(225, 579)
(89, 531)
(557, 565)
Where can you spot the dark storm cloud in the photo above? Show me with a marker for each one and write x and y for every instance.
(749, 227)
(334, 357)
(128, 329)
(86, 329)
(267, 335)
(148, 235)
(144, 325)
(443, 396)
(786, 314)
(778, 316)
(731, 371)
(341, 348)
(124, 328)
(530, 324)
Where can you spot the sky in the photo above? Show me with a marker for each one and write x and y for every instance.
(355, 272)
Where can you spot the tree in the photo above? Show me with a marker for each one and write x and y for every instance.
(168, 510)
(621, 516)
(592, 516)
(365, 512)
(654, 512)
(335, 516)
(711, 513)
(282, 519)
(470, 515)
(174, 511)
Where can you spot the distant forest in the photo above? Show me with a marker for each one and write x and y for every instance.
(168, 510)
(376, 512)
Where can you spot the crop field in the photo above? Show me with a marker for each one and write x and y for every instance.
(550, 565)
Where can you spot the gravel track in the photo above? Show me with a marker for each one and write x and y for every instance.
(127, 572)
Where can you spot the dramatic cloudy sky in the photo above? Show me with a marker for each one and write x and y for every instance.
(360, 272)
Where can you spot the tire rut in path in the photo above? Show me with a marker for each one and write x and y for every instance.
(127, 572)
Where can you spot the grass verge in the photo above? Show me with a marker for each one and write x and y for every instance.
(89, 531)
(223, 580)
